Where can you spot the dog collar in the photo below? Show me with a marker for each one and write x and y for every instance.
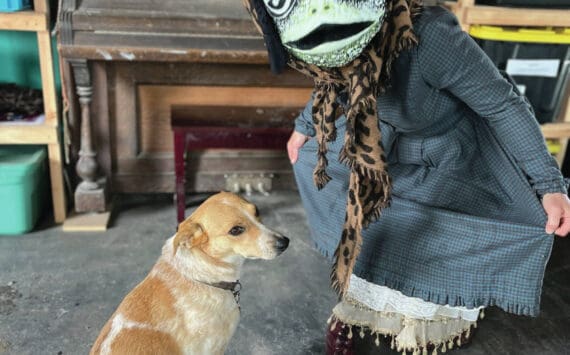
(234, 287)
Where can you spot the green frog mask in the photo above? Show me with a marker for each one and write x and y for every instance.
(327, 33)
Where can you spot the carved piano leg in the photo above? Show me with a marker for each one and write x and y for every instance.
(90, 194)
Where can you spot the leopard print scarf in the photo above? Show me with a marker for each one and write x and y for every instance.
(362, 80)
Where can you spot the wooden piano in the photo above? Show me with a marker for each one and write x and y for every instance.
(127, 62)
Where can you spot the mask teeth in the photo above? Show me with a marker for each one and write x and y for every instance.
(340, 57)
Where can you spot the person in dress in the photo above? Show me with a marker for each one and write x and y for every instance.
(422, 170)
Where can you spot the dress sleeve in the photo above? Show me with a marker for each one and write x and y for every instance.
(451, 60)
(304, 122)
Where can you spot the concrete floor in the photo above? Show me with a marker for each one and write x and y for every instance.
(58, 289)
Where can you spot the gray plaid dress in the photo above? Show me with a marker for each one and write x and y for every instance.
(469, 164)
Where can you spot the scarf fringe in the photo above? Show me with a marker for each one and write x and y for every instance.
(404, 43)
(320, 176)
(347, 159)
(415, 8)
(340, 287)
(331, 137)
(375, 214)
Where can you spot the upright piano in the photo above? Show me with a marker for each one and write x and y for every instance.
(127, 62)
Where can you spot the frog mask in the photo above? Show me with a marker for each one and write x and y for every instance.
(328, 33)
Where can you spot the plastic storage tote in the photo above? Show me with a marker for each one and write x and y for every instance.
(527, 3)
(23, 184)
(537, 59)
(14, 5)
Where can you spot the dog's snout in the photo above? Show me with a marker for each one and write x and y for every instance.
(281, 243)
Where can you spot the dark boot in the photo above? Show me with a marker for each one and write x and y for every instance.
(337, 339)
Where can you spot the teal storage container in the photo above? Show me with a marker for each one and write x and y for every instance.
(14, 5)
(23, 184)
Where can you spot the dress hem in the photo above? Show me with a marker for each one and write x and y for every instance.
(442, 298)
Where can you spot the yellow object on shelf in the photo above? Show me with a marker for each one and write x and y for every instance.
(554, 146)
(527, 35)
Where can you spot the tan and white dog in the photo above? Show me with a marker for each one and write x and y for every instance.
(188, 304)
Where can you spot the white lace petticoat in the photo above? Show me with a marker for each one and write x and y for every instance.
(412, 322)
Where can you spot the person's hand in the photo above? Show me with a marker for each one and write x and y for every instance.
(557, 207)
(295, 143)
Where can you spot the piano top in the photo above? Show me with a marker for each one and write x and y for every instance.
(160, 30)
(227, 9)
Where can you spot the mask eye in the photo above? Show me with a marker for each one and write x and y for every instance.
(279, 8)
(236, 230)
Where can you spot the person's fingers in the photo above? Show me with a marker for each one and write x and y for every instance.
(564, 228)
(554, 219)
(293, 154)
(295, 142)
(292, 150)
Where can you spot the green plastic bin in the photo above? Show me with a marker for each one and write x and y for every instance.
(23, 175)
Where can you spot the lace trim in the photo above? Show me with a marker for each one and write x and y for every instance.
(407, 334)
(383, 299)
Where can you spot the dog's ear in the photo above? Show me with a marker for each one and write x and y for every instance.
(190, 234)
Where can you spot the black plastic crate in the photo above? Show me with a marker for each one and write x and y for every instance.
(544, 93)
(527, 3)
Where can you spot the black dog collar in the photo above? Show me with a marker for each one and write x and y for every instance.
(234, 287)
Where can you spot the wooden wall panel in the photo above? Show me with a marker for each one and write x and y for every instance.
(139, 98)
(155, 102)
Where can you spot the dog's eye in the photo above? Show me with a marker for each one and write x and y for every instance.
(236, 230)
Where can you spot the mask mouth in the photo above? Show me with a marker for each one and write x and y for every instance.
(334, 45)
(327, 33)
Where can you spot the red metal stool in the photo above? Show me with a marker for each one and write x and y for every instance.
(226, 127)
